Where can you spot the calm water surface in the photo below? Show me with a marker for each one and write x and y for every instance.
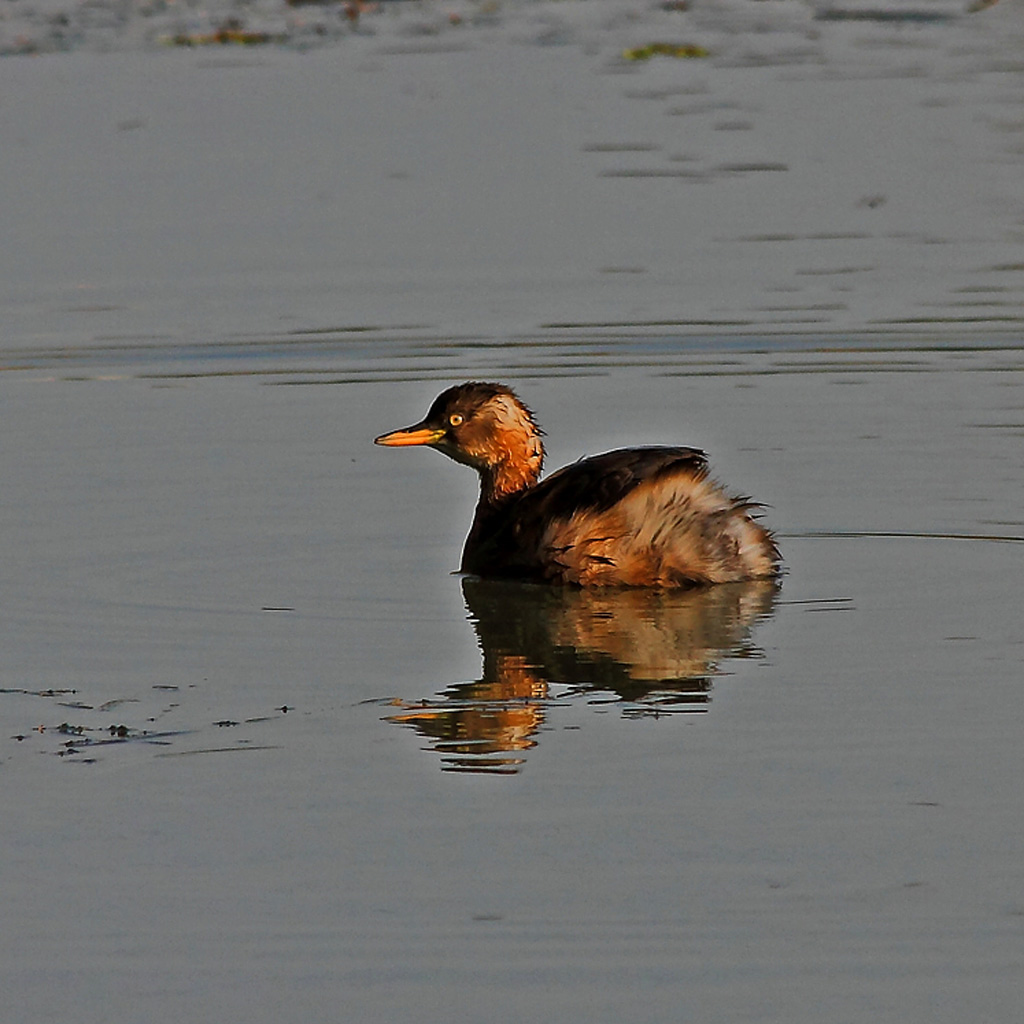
(283, 765)
(264, 758)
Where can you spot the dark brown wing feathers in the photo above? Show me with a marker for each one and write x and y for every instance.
(602, 481)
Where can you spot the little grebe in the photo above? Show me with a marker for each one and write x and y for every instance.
(640, 517)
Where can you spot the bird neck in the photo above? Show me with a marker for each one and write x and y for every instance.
(510, 471)
(500, 482)
(513, 465)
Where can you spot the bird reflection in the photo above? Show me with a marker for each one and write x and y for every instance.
(652, 652)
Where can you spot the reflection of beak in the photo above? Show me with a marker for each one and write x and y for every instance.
(410, 436)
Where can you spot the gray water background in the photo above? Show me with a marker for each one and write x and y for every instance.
(225, 270)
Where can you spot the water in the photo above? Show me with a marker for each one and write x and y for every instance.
(265, 758)
(255, 596)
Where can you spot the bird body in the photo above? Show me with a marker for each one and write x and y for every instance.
(640, 517)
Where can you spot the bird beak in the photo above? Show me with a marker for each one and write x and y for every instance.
(418, 434)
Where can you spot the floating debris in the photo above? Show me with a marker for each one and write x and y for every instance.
(231, 33)
(678, 50)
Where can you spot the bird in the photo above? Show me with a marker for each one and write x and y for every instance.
(635, 517)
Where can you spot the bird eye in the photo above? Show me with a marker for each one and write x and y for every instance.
(455, 419)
